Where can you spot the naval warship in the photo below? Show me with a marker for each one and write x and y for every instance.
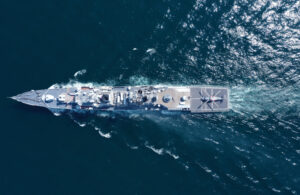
(193, 99)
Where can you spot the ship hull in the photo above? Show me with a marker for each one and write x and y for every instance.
(193, 99)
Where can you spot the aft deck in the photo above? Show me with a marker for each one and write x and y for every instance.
(176, 93)
(197, 104)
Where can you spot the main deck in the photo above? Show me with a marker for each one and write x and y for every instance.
(194, 99)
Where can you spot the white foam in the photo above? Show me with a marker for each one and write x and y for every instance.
(132, 147)
(151, 51)
(252, 179)
(138, 80)
(103, 114)
(81, 124)
(54, 86)
(211, 140)
(231, 177)
(57, 114)
(275, 190)
(105, 135)
(241, 99)
(79, 73)
(78, 123)
(134, 115)
(205, 168)
(239, 149)
(76, 84)
(186, 167)
(157, 151)
(161, 151)
(173, 155)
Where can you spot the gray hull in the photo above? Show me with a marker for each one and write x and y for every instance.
(194, 99)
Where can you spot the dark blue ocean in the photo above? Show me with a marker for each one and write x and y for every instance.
(250, 46)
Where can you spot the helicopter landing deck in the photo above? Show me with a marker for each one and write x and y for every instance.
(209, 99)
